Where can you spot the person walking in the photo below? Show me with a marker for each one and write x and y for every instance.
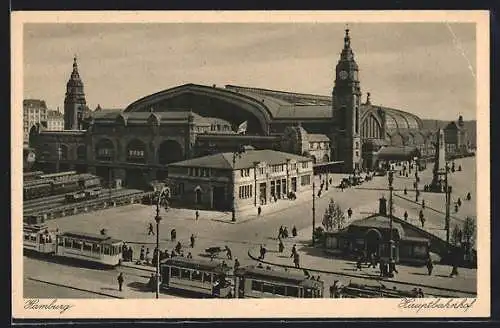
(294, 251)
(228, 253)
(151, 230)
(197, 215)
(147, 256)
(142, 255)
(430, 265)
(468, 197)
(405, 191)
(259, 210)
(296, 260)
(406, 216)
(423, 204)
(178, 247)
(120, 281)
(281, 247)
(192, 240)
(349, 213)
(421, 217)
(173, 235)
(294, 231)
(285, 232)
(459, 202)
(280, 233)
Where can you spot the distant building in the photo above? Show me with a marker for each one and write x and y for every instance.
(54, 121)
(34, 112)
(339, 132)
(254, 178)
(456, 138)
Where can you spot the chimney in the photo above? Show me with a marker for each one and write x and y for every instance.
(382, 207)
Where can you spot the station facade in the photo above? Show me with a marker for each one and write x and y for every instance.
(136, 144)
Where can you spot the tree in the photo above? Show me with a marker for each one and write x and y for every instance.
(334, 216)
(469, 233)
(456, 235)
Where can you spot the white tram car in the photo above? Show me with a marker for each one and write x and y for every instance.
(100, 249)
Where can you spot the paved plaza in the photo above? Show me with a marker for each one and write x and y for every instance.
(130, 223)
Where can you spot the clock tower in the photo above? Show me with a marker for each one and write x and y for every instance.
(75, 105)
(346, 101)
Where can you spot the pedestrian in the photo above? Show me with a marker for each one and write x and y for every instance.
(285, 232)
(280, 233)
(228, 253)
(456, 208)
(281, 247)
(349, 213)
(178, 247)
(120, 281)
(151, 230)
(197, 215)
(192, 240)
(406, 216)
(296, 260)
(421, 217)
(294, 231)
(236, 264)
(423, 204)
(130, 254)
(142, 256)
(332, 289)
(173, 235)
(147, 256)
(262, 252)
(190, 256)
(259, 210)
(454, 270)
(460, 168)
(459, 202)
(429, 265)
(405, 191)
(468, 196)
(294, 251)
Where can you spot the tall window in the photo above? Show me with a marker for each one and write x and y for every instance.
(245, 192)
(305, 180)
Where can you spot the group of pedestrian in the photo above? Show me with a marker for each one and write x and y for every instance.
(283, 232)
(127, 253)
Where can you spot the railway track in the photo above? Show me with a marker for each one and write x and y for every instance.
(42, 207)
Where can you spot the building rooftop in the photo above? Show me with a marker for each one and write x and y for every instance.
(398, 153)
(246, 160)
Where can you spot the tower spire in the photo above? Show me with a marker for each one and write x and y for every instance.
(347, 38)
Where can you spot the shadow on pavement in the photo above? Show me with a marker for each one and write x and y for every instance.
(139, 286)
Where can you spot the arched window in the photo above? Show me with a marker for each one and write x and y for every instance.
(105, 150)
(136, 151)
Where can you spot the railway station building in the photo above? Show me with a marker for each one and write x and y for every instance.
(253, 178)
(339, 133)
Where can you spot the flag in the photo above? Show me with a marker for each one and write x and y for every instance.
(242, 128)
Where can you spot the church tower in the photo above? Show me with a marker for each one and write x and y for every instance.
(346, 101)
(75, 104)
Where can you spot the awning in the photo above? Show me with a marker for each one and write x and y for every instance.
(398, 153)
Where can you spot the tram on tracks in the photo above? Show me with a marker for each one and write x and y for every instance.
(93, 248)
(96, 248)
(256, 282)
(80, 196)
(38, 238)
(197, 276)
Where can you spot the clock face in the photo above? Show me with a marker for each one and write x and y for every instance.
(343, 75)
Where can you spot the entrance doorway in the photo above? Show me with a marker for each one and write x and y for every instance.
(263, 193)
(197, 196)
(218, 194)
(373, 239)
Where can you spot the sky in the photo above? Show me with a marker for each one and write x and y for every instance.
(424, 68)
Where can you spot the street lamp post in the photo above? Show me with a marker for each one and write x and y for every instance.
(391, 241)
(447, 199)
(314, 210)
(157, 220)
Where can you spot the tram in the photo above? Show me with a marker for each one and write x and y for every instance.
(38, 238)
(256, 282)
(100, 249)
(196, 276)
